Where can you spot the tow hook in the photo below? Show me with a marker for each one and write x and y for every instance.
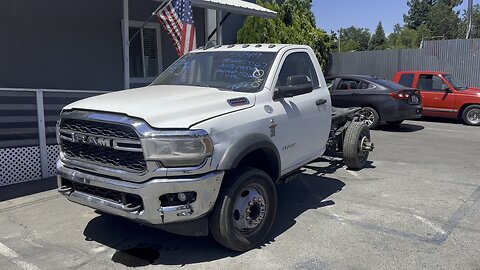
(132, 208)
(162, 215)
(65, 190)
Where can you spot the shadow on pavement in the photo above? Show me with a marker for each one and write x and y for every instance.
(139, 245)
(335, 162)
(27, 188)
(440, 120)
(401, 128)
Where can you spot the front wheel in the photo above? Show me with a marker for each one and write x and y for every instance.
(245, 209)
(356, 145)
(471, 115)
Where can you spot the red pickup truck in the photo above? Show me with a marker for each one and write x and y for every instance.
(443, 95)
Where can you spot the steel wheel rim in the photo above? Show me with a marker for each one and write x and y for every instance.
(249, 210)
(474, 116)
(369, 117)
(362, 153)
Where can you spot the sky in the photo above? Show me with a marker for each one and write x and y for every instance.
(336, 14)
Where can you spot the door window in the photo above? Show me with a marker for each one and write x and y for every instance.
(297, 64)
(348, 84)
(430, 83)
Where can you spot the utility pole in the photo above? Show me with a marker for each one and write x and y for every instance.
(470, 19)
(339, 39)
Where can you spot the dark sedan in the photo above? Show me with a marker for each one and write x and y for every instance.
(382, 99)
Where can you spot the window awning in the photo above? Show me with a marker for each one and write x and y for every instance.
(236, 6)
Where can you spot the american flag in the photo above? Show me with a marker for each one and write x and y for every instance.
(177, 19)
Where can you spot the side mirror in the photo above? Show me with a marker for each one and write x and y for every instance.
(446, 88)
(296, 85)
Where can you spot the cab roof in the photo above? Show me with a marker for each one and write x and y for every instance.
(248, 47)
(422, 71)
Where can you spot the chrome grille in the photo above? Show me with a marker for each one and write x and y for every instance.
(108, 156)
(100, 128)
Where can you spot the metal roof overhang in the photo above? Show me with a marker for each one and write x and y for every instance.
(236, 6)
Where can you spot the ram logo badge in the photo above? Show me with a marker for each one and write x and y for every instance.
(86, 139)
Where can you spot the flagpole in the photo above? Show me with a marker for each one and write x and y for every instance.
(164, 3)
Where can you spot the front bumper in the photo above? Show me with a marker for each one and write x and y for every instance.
(150, 211)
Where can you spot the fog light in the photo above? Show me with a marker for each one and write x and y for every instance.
(182, 197)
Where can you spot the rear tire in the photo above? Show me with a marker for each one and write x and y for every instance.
(395, 123)
(471, 115)
(353, 154)
(372, 118)
(245, 209)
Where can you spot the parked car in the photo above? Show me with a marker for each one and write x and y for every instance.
(443, 95)
(382, 100)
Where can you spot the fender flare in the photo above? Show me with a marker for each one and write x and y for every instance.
(244, 146)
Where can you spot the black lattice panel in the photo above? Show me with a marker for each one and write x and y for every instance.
(19, 165)
(52, 155)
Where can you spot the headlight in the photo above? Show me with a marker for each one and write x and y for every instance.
(184, 149)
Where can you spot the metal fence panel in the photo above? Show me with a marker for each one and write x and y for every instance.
(461, 58)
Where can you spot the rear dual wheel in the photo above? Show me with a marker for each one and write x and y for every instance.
(245, 209)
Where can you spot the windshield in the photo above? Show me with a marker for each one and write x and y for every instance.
(233, 71)
(454, 82)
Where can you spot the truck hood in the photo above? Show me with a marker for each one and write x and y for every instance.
(168, 106)
(472, 91)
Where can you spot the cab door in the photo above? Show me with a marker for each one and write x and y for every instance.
(435, 99)
(302, 122)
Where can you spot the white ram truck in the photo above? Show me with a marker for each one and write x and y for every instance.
(201, 149)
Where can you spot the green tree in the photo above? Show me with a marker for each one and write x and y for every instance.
(438, 16)
(354, 39)
(406, 38)
(378, 41)
(443, 21)
(295, 24)
(392, 38)
(418, 12)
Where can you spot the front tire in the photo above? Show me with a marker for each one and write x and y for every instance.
(356, 136)
(471, 115)
(245, 209)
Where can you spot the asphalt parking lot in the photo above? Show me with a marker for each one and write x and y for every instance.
(414, 207)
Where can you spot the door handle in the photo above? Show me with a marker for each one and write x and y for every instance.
(320, 101)
(354, 94)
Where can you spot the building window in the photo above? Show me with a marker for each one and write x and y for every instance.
(145, 57)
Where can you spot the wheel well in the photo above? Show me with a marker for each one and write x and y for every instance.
(373, 107)
(262, 159)
(369, 105)
(464, 106)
